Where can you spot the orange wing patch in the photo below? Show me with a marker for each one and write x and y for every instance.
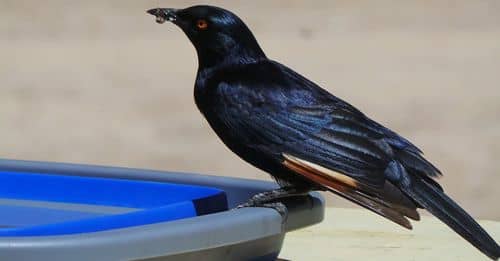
(317, 172)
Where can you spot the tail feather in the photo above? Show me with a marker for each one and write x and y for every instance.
(449, 212)
(372, 204)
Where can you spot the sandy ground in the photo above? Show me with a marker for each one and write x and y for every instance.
(99, 82)
(347, 234)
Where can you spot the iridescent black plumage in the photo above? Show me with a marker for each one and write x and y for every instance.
(268, 114)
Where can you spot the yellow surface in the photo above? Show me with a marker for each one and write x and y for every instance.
(354, 234)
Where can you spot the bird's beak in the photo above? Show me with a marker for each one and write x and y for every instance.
(164, 14)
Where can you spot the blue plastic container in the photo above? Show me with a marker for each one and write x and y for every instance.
(43, 205)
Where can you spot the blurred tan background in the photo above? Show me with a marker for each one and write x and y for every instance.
(100, 82)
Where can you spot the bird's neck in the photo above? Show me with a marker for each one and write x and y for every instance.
(228, 54)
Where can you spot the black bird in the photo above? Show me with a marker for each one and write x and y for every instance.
(305, 137)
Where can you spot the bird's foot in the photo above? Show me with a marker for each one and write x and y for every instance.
(278, 206)
(269, 196)
(268, 199)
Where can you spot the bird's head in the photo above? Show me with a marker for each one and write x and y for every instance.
(218, 35)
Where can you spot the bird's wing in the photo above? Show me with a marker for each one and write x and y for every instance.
(298, 124)
(325, 145)
(276, 111)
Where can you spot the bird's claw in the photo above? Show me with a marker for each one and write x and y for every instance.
(245, 205)
(263, 196)
(278, 206)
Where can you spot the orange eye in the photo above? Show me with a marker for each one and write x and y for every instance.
(202, 24)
